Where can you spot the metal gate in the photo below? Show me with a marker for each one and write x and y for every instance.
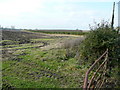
(95, 76)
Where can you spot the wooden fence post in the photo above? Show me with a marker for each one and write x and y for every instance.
(112, 23)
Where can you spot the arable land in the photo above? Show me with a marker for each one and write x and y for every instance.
(39, 60)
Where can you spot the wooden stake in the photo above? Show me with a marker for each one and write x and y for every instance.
(112, 23)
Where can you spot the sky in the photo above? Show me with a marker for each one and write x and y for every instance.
(55, 14)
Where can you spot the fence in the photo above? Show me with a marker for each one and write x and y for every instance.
(95, 76)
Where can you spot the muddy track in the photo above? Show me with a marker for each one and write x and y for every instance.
(44, 44)
(43, 72)
(46, 73)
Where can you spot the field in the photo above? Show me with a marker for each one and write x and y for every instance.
(71, 32)
(39, 60)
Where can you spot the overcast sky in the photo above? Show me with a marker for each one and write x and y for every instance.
(55, 14)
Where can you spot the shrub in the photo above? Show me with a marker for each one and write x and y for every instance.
(101, 37)
(97, 41)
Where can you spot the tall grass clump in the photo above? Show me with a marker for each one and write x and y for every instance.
(71, 47)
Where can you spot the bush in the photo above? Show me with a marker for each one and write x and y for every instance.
(97, 41)
(101, 37)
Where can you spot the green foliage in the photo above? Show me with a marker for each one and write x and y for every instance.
(97, 41)
(101, 37)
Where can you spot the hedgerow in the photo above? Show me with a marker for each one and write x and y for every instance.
(100, 38)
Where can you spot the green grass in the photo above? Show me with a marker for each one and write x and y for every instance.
(8, 42)
(37, 69)
(4, 41)
(34, 43)
(21, 83)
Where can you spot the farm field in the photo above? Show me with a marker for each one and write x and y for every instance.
(70, 32)
(39, 60)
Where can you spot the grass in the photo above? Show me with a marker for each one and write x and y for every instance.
(5, 41)
(21, 83)
(42, 69)
(33, 43)
(8, 42)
